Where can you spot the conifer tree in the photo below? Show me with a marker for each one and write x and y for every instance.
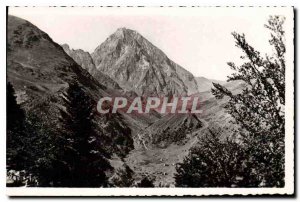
(87, 161)
(146, 182)
(16, 136)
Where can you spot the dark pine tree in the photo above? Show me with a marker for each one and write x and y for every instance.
(87, 161)
(146, 183)
(16, 137)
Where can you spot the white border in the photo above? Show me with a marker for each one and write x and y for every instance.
(143, 191)
(288, 189)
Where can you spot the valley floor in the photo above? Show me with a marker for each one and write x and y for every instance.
(160, 163)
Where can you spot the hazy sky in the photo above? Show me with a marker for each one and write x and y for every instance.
(198, 39)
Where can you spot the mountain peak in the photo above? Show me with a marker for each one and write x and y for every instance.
(124, 29)
(129, 58)
(124, 32)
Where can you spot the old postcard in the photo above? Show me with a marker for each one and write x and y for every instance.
(150, 101)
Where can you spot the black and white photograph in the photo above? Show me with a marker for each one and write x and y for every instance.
(149, 101)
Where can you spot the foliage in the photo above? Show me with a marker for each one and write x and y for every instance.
(124, 177)
(67, 155)
(259, 111)
(146, 182)
(15, 130)
(16, 136)
(86, 160)
(46, 148)
(215, 163)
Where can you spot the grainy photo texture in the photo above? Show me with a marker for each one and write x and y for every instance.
(156, 101)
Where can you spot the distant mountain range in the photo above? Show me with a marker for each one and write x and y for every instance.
(205, 84)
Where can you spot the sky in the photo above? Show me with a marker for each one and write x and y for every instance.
(198, 39)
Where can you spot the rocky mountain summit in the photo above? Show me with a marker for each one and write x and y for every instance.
(81, 57)
(137, 65)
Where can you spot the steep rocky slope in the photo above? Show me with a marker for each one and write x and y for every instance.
(85, 60)
(137, 65)
(134, 121)
(171, 128)
(81, 57)
(40, 71)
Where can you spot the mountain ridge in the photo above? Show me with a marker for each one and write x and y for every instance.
(40, 70)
